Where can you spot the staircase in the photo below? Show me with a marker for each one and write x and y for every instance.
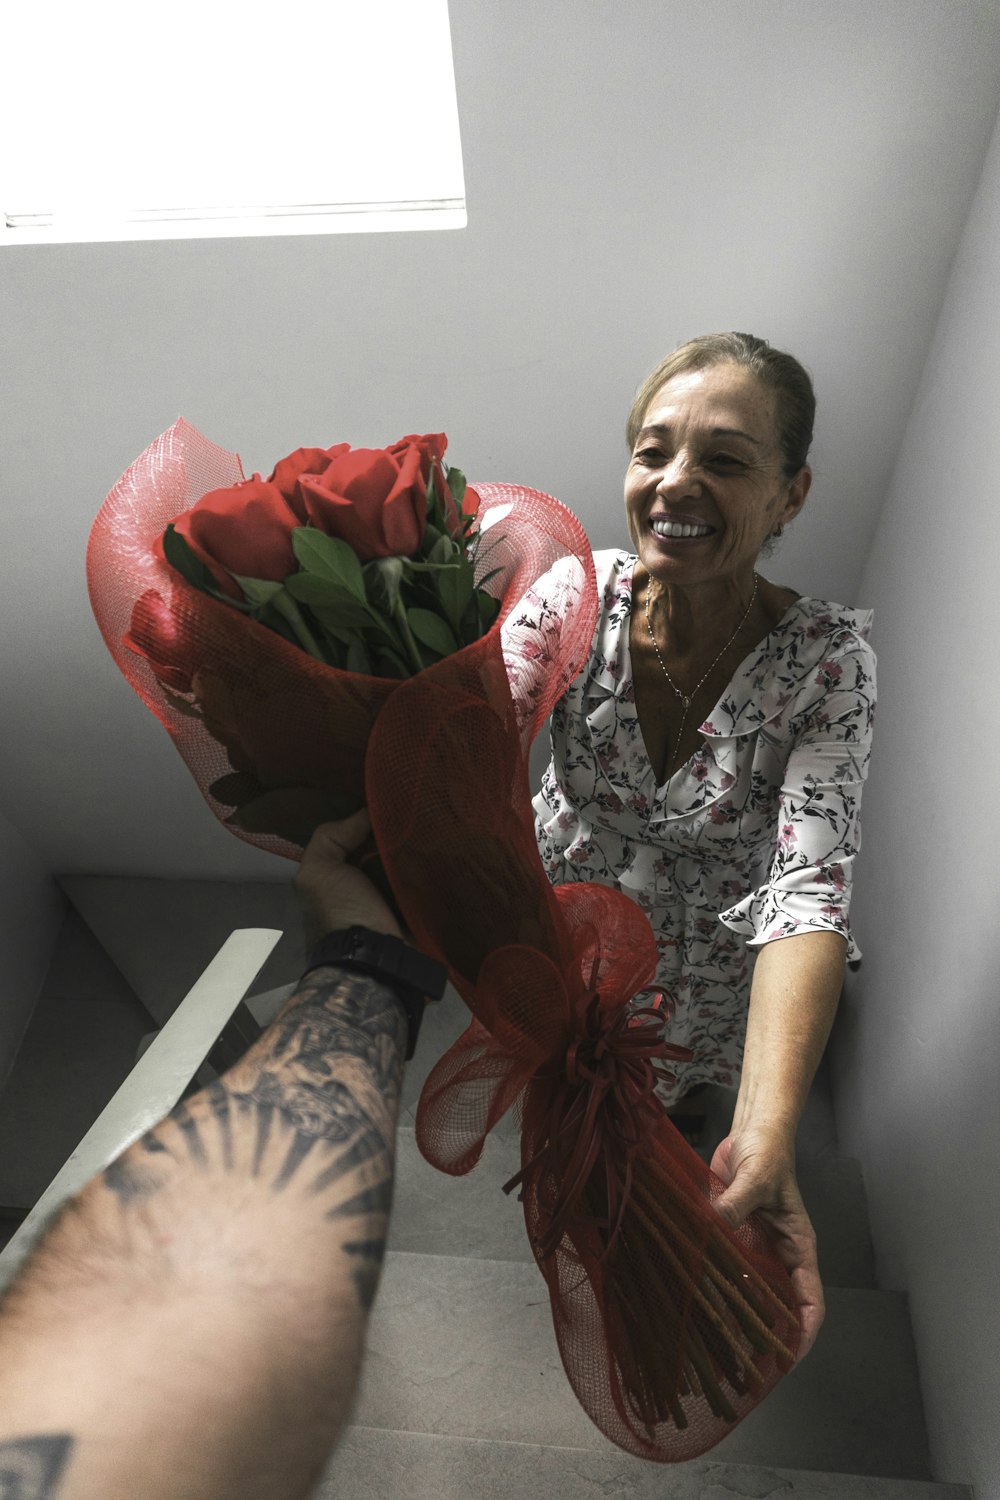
(463, 1394)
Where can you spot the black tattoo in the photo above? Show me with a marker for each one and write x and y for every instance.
(31, 1467)
(316, 1119)
(367, 1274)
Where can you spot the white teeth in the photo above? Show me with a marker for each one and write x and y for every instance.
(679, 529)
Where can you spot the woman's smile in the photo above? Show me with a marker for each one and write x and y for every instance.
(674, 529)
(704, 487)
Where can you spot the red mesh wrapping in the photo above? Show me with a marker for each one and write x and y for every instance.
(617, 1206)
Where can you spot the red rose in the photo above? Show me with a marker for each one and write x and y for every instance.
(245, 529)
(375, 499)
(288, 471)
(154, 634)
(431, 446)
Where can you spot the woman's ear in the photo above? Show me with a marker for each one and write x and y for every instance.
(798, 489)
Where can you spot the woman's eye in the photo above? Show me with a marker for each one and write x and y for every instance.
(648, 456)
(727, 460)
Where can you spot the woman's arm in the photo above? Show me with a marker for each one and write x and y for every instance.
(190, 1326)
(799, 919)
(793, 1000)
(796, 988)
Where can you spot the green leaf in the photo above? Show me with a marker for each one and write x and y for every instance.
(457, 483)
(489, 608)
(455, 587)
(330, 558)
(270, 618)
(190, 567)
(309, 588)
(435, 511)
(430, 630)
(432, 535)
(258, 591)
(284, 607)
(345, 625)
(331, 626)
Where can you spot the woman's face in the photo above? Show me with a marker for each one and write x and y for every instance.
(708, 458)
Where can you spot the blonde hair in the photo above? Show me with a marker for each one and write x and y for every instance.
(795, 401)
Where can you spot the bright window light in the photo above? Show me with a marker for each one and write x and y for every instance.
(122, 121)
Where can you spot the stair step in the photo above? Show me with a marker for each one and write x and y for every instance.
(465, 1348)
(419, 1466)
(434, 1214)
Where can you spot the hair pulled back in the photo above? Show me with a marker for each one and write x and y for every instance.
(795, 401)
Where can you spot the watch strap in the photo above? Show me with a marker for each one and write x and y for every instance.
(412, 976)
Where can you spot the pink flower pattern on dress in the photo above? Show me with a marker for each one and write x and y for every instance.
(751, 842)
(829, 674)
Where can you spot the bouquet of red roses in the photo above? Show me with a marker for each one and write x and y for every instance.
(334, 635)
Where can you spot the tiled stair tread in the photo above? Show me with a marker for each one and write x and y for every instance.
(383, 1465)
(436, 1214)
(162, 934)
(465, 1348)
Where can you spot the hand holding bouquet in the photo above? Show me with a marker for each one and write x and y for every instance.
(333, 635)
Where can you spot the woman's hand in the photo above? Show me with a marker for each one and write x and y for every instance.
(335, 894)
(759, 1173)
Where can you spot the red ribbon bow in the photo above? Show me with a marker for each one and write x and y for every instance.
(600, 1103)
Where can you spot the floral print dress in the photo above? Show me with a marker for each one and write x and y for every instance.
(752, 840)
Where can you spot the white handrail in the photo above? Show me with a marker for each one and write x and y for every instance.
(157, 1080)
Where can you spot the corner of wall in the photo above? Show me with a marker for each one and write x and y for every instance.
(32, 911)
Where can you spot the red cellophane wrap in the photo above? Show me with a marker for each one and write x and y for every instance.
(670, 1325)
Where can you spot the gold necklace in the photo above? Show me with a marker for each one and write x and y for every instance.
(687, 699)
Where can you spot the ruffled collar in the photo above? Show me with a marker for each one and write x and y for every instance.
(762, 686)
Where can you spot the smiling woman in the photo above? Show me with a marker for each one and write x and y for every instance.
(706, 481)
(709, 759)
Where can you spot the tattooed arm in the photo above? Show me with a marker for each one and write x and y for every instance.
(190, 1326)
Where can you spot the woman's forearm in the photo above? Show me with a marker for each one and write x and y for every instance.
(796, 987)
(218, 1275)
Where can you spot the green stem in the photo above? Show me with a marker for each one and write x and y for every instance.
(399, 615)
(289, 610)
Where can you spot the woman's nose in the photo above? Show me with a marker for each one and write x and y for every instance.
(678, 473)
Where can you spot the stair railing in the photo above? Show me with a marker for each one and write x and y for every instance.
(200, 1028)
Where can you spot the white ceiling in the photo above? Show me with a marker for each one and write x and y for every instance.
(636, 173)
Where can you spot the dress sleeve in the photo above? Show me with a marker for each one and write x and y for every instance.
(531, 633)
(818, 831)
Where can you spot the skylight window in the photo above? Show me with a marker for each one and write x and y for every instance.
(203, 118)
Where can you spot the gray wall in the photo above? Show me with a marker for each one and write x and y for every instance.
(635, 175)
(917, 1049)
(32, 909)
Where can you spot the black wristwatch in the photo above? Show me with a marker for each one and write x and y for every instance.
(412, 976)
